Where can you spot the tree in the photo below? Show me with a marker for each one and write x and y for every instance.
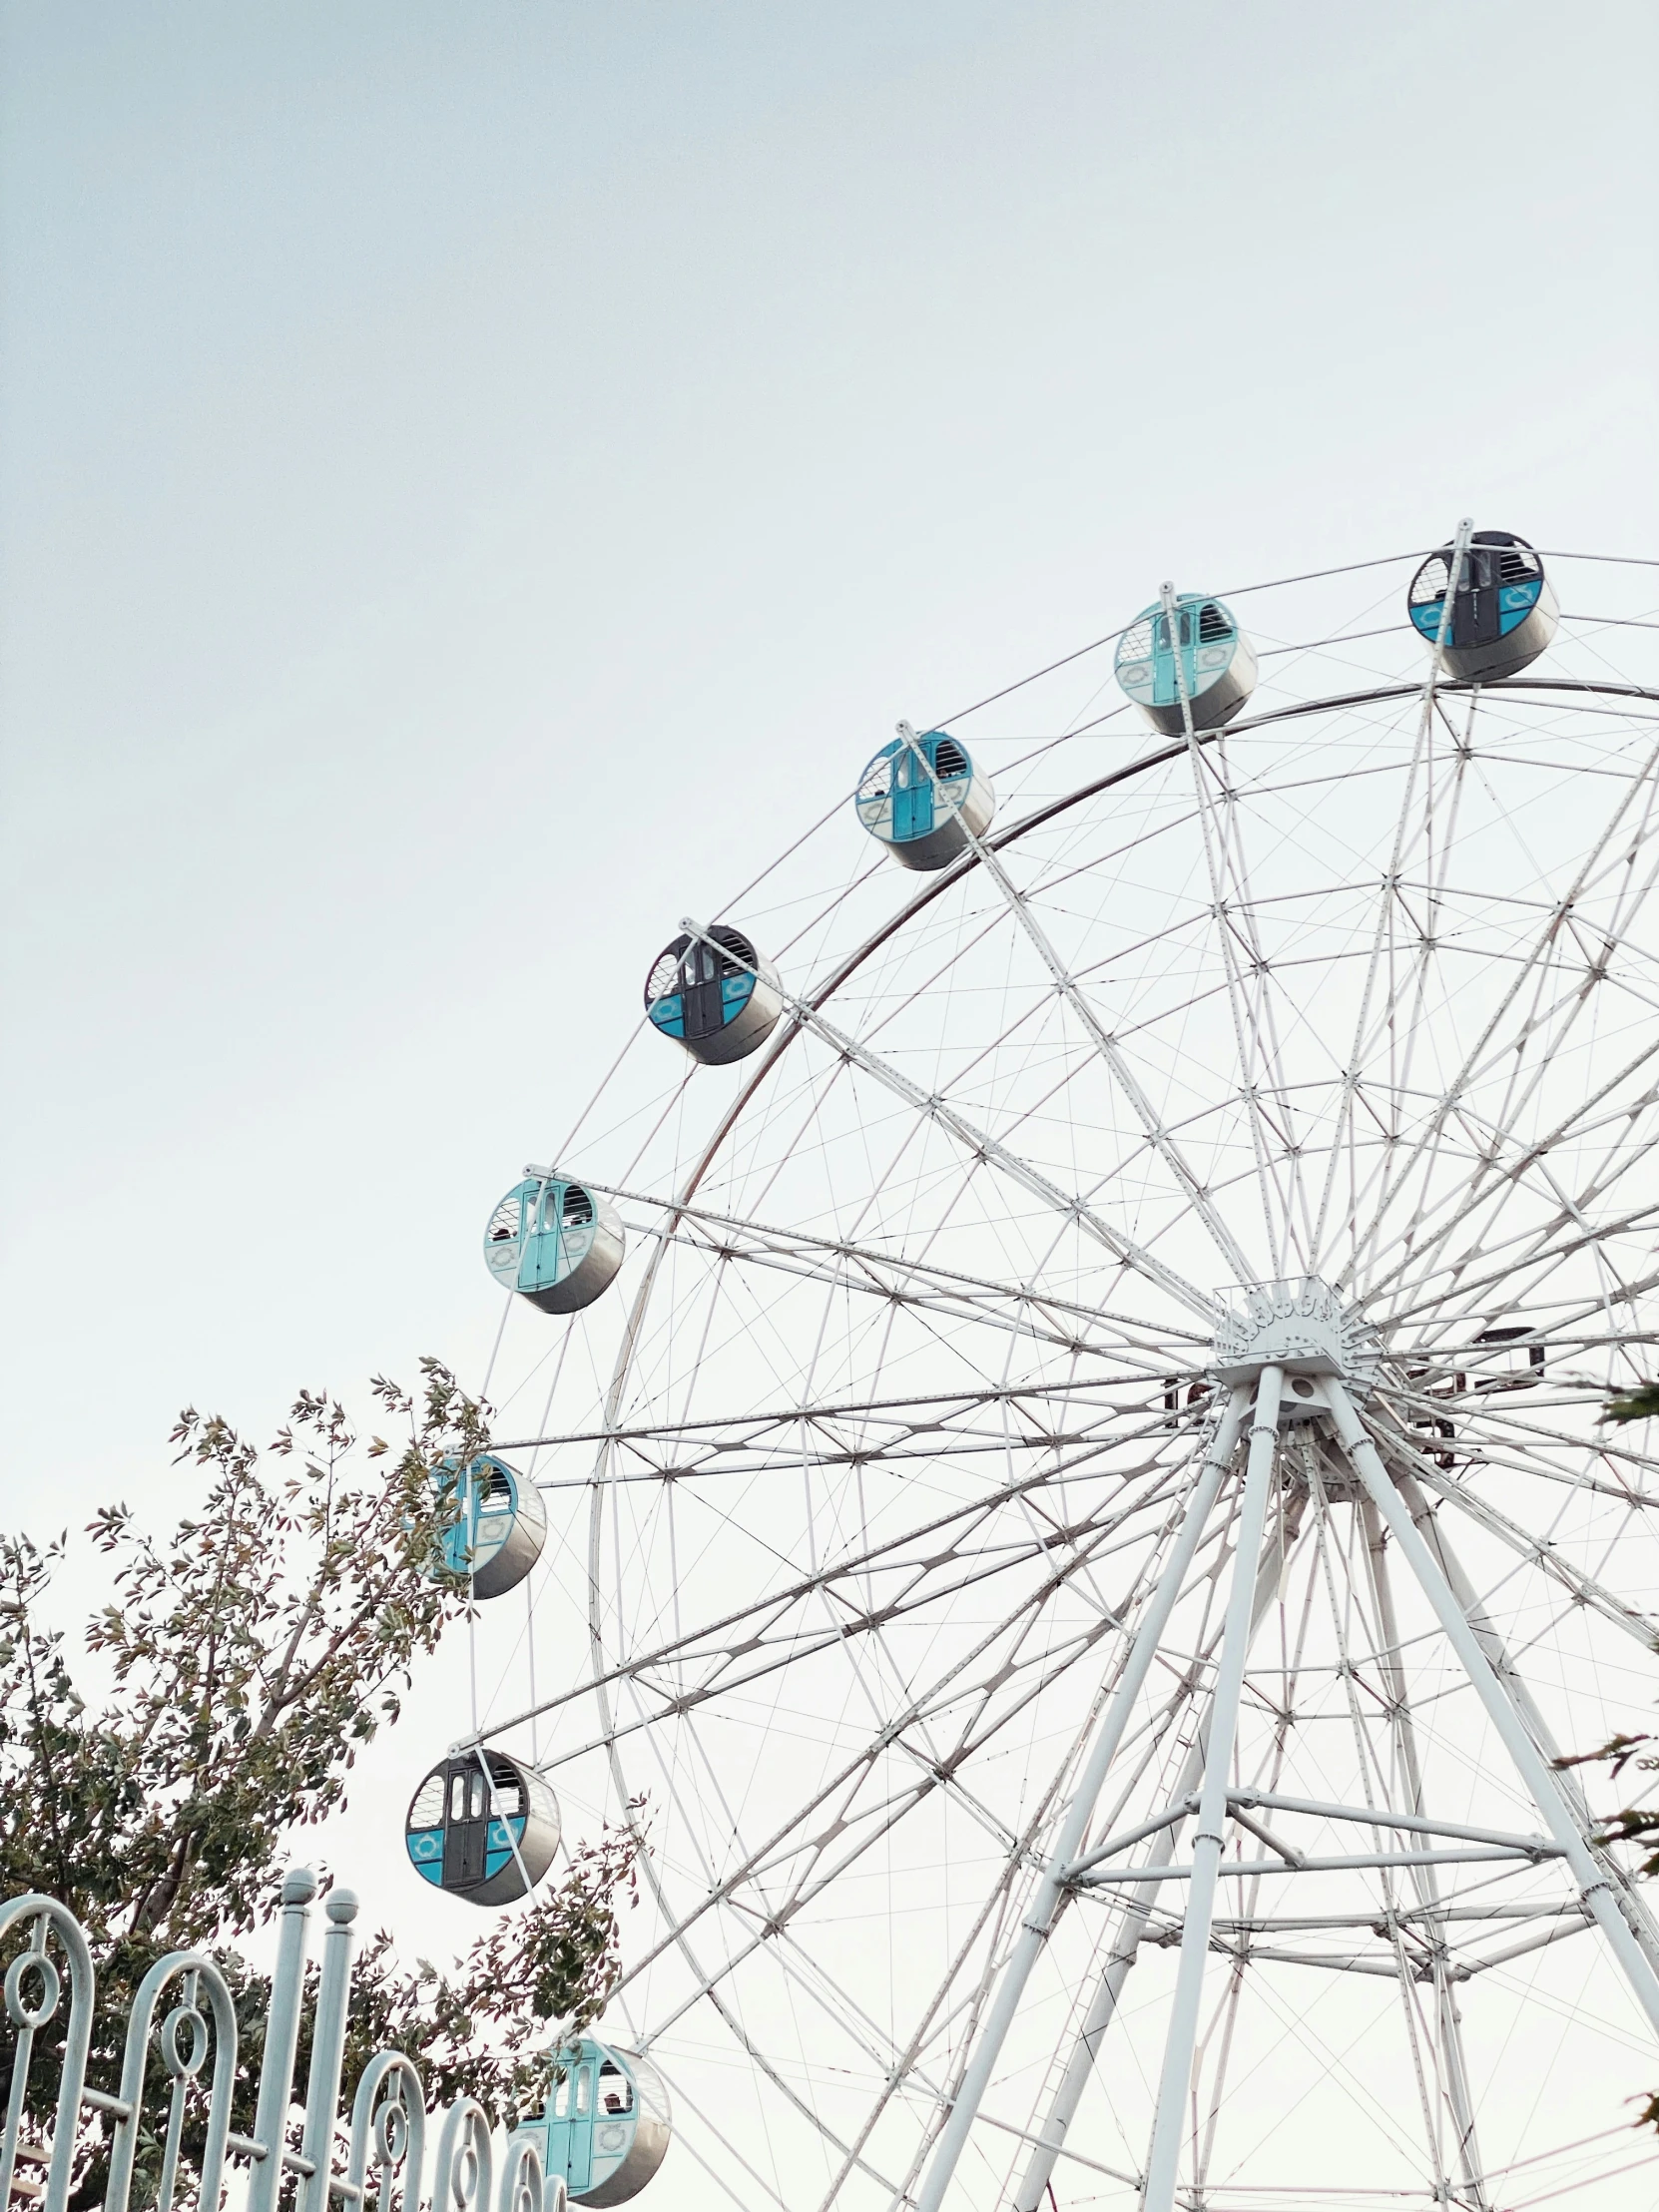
(253, 1654)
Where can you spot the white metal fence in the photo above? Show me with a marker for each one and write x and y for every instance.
(184, 2008)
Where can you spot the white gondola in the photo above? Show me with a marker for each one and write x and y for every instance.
(1503, 613)
(606, 2126)
(1209, 658)
(923, 798)
(499, 1523)
(555, 1242)
(720, 1004)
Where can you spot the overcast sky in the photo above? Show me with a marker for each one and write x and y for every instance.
(477, 479)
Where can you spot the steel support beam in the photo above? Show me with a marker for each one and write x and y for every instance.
(1137, 1916)
(1051, 1886)
(1501, 1710)
(1454, 2074)
(1159, 2192)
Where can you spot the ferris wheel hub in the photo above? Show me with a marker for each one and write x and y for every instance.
(1298, 1323)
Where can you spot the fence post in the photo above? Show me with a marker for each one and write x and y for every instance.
(333, 1997)
(281, 2040)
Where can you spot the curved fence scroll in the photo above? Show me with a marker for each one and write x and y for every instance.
(27, 2014)
(524, 2188)
(388, 2133)
(184, 2040)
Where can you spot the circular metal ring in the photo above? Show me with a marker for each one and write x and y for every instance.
(391, 2133)
(183, 2020)
(51, 1990)
(464, 2173)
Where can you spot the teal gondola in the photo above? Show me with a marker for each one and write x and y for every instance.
(1208, 667)
(555, 1242)
(482, 1826)
(607, 2125)
(924, 799)
(1503, 612)
(499, 1523)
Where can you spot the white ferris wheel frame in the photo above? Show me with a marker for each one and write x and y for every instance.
(1395, 1486)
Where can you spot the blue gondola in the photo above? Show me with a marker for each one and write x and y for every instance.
(720, 1005)
(499, 1524)
(487, 1836)
(554, 1242)
(607, 2125)
(1503, 613)
(1216, 666)
(923, 810)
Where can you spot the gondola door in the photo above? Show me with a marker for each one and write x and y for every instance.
(466, 1823)
(913, 797)
(700, 968)
(581, 2085)
(1475, 616)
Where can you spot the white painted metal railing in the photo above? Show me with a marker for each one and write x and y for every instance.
(375, 2162)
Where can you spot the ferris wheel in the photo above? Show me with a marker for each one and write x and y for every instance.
(1064, 1368)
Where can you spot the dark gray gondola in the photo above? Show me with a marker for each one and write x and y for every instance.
(499, 1523)
(720, 1005)
(1503, 612)
(480, 1837)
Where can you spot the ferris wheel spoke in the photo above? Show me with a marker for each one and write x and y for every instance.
(729, 2151)
(1529, 1245)
(948, 1538)
(1520, 1431)
(1406, 983)
(889, 1432)
(1517, 1459)
(1535, 1257)
(1393, 1026)
(710, 1993)
(843, 1263)
(1494, 1178)
(1573, 1213)
(768, 1927)
(817, 1877)
(784, 1649)
(1540, 1551)
(928, 2023)
(1495, 1040)
(779, 1850)
(1245, 971)
(1021, 907)
(984, 1146)
(901, 2068)
(765, 1926)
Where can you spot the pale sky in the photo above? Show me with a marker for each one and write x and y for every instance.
(479, 479)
